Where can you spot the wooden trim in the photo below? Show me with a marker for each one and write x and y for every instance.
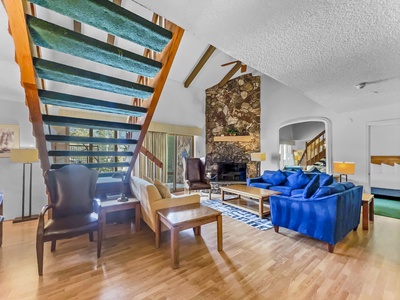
(236, 138)
(387, 159)
(199, 65)
(166, 57)
(175, 129)
(232, 72)
(17, 27)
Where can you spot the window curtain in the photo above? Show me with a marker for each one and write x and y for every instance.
(156, 143)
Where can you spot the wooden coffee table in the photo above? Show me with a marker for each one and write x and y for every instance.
(253, 201)
(183, 217)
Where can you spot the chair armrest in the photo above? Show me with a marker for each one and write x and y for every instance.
(253, 180)
(45, 208)
(97, 205)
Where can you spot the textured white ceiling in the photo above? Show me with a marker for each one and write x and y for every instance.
(320, 47)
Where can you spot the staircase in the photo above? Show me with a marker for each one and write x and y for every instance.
(315, 150)
(158, 39)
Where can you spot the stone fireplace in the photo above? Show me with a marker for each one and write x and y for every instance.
(235, 105)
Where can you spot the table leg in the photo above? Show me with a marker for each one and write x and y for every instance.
(219, 233)
(371, 209)
(222, 196)
(175, 248)
(197, 230)
(137, 217)
(158, 230)
(103, 224)
(365, 209)
(260, 208)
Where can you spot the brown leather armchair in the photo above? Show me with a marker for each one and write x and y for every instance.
(74, 209)
(195, 175)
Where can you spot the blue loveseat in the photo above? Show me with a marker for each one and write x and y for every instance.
(327, 215)
(289, 183)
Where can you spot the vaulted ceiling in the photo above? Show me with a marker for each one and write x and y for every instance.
(322, 48)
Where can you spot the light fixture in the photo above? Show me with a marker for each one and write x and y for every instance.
(258, 157)
(26, 156)
(343, 169)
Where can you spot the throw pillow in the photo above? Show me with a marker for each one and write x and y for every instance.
(311, 187)
(148, 179)
(348, 185)
(327, 181)
(298, 180)
(278, 177)
(322, 192)
(337, 187)
(266, 176)
(162, 188)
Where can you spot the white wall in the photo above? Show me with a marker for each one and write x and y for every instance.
(183, 106)
(280, 104)
(11, 173)
(385, 139)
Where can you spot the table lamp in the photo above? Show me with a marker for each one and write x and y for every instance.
(258, 157)
(26, 156)
(343, 169)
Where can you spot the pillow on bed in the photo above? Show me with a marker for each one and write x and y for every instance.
(376, 169)
(387, 169)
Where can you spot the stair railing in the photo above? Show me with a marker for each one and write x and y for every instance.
(315, 150)
(153, 167)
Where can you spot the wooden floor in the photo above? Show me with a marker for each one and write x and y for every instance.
(254, 265)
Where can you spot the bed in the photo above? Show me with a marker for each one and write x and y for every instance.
(385, 175)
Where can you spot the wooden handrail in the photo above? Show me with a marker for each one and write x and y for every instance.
(151, 157)
(166, 57)
(23, 54)
(315, 149)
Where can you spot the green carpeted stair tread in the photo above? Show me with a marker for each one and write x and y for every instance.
(88, 153)
(113, 19)
(62, 73)
(95, 165)
(58, 38)
(88, 140)
(72, 101)
(88, 123)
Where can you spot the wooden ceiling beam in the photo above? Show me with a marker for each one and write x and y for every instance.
(232, 72)
(110, 37)
(199, 65)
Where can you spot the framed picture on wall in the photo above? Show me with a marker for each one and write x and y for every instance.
(9, 138)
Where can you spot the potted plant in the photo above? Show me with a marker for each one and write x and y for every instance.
(232, 131)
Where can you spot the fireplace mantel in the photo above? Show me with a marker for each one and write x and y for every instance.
(234, 138)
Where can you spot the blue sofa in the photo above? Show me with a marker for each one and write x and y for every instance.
(288, 183)
(327, 215)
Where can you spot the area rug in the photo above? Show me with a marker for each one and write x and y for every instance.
(387, 208)
(240, 215)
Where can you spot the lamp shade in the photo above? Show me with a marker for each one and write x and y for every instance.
(347, 168)
(257, 156)
(24, 155)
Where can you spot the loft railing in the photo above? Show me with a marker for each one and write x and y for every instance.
(315, 150)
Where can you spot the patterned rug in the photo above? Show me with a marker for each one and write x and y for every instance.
(240, 215)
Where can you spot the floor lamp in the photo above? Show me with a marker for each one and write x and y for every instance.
(25, 156)
(343, 169)
(258, 157)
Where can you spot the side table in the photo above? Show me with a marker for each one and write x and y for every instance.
(367, 209)
(113, 205)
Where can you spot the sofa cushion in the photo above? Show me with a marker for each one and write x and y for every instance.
(337, 187)
(327, 181)
(266, 176)
(296, 192)
(261, 185)
(148, 179)
(311, 187)
(298, 180)
(348, 185)
(162, 188)
(322, 192)
(278, 177)
(285, 190)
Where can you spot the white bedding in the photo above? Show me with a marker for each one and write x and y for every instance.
(386, 177)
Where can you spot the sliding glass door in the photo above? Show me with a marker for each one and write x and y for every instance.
(178, 148)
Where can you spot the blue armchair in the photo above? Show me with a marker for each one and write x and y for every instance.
(328, 218)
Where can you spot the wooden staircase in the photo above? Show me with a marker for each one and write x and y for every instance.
(160, 40)
(315, 150)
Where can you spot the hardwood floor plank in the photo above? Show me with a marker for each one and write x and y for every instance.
(253, 265)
